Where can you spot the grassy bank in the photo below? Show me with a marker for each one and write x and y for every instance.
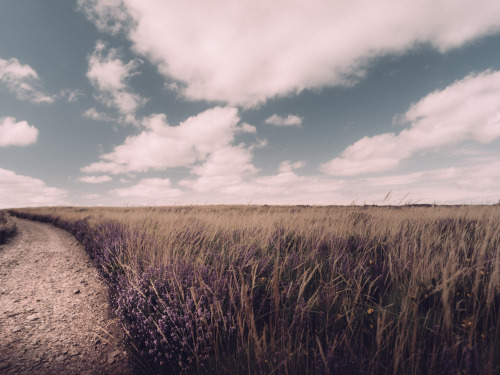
(299, 290)
(7, 227)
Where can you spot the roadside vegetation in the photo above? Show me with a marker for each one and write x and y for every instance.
(299, 290)
(7, 227)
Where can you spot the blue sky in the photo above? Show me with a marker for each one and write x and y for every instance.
(147, 102)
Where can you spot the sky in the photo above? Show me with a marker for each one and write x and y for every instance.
(162, 102)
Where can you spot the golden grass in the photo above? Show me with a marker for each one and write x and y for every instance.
(7, 227)
(409, 289)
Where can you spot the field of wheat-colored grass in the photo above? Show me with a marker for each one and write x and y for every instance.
(7, 227)
(299, 290)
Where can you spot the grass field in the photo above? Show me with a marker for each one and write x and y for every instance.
(299, 290)
(7, 227)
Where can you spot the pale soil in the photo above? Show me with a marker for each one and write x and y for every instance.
(53, 308)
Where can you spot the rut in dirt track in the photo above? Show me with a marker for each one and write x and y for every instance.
(53, 308)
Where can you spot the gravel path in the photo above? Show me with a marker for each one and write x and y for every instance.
(53, 309)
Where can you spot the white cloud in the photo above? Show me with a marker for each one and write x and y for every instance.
(287, 166)
(290, 120)
(14, 133)
(224, 170)
(92, 197)
(23, 81)
(95, 179)
(93, 114)
(286, 187)
(247, 128)
(109, 75)
(71, 96)
(160, 146)
(228, 176)
(467, 110)
(452, 185)
(150, 191)
(248, 51)
(476, 183)
(108, 15)
(23, 191)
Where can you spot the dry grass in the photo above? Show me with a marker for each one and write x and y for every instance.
(7, 227)
(298, 290)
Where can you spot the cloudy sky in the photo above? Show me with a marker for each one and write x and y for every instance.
(133, 102)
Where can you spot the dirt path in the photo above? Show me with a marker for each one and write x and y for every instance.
(53, 309)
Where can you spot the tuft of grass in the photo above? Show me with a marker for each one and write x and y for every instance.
(7, 227)
(299, 290)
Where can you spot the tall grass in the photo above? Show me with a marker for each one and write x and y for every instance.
(7, 227)
(300, 290)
